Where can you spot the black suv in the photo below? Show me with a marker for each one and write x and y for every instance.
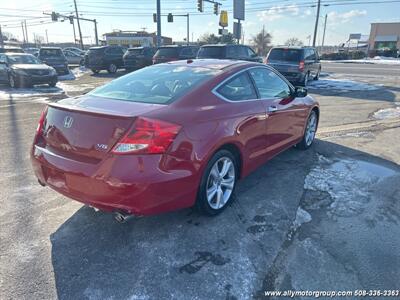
(224, 51)
(170, 53)
(104, 58)
(297, 64)
(138, 57)
(54, 57)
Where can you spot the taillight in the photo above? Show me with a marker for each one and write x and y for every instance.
(39, 128)
(301, 66)
(148, 136)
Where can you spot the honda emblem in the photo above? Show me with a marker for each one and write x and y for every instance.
(68, 120)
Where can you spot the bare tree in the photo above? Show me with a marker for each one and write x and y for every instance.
(261, 41)
(294, 42)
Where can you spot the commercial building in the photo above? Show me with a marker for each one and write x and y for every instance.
(384, 37)
(134, 38)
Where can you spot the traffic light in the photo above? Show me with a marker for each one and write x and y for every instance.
(54, 16)
(155, 18)
(170, 18)
(200, 6)
(71, 19)
(216, 9)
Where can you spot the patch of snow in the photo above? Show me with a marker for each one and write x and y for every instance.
(347, 181)
(343, 85)
(78, 72)
(75, 87)
(302, 217)
(10, 94)
(375, 60)
(387, 113)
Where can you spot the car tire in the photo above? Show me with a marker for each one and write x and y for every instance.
(318, 73)
(217, 184)
(309, 131)
(12, 82)
(52, 83)
(305, 79)
(112, 68)
(94, 71)
(81, 63)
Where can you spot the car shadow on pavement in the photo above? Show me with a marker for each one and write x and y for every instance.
(105, 74)
(282, 217)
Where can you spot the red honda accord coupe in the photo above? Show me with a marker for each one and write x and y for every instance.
(171, 136)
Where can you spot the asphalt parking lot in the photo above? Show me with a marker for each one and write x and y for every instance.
(324, 219)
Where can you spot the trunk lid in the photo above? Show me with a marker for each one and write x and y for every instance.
(87, 128)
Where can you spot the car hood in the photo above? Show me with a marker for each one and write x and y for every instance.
(31, 66)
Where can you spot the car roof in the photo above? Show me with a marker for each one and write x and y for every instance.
(216, 64)
(293, 47)
(50, 48)
(221, 45)
(16, 53)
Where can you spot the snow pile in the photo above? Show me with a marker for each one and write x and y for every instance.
(343, 85)
(347, 181)
(375, 60)
(387, 113)
(74, 87)
(78, 72)
(69, 76)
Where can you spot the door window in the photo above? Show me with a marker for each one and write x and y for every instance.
(238, 88)
(250, 52)
(269, 84)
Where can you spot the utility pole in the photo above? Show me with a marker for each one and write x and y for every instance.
(323, 37)
(1, 38)
(158, 23)
(79, 25)
(316, 23)
(95, 32)
(47, 38)
(26, 32)
(262, 43)
(23, 30)
(187, 32)
(73, 27)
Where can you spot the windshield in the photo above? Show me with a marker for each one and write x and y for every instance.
(159, 84)
(285, 55)
(211, 52)
(50, 52)
(167, 52)
(22, 59)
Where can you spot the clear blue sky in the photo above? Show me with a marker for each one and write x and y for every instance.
(283, 19)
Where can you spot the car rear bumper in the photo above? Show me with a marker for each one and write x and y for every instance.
(133, 184)
(294, 77)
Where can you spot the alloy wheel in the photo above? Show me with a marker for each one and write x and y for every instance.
(113, 68)
(12, 81)
(220, 182)
(311, 128)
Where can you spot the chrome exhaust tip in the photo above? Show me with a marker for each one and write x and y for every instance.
(122, 217)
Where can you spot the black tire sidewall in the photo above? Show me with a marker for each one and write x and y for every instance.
(303, 144)
(201, 202)
(112, 71)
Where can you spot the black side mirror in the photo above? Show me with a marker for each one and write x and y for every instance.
(300, 92)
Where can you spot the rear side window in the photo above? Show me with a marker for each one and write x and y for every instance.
(135, 51)
(292, 55)
(158, 84)
(238, 88)
(50, 52)
(211, 52)
(269, 84)
(167, 52)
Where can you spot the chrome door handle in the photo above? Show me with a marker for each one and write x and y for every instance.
(272, 109)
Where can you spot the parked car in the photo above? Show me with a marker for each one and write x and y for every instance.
(33, 51)
(7, 49)
(228, 51)
(25, 70)
(104, 58)
(171, 136)
(297, 64)
(54, 57)
(73, 58)
(75, 50)
(139, 57)
(173, 52)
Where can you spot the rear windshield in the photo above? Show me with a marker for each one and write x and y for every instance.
(211, 52)
(50, 52)
(96, 50)
(158, 84)
(285, 55)
(135, 51)
(167, 52)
